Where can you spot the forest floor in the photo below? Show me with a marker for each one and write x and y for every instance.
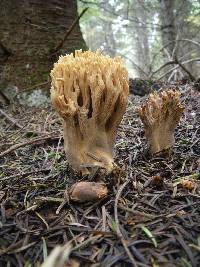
(148, 218)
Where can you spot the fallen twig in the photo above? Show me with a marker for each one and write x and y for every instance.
(25, 174)
(32, 88)
(175, 41)
(161, 67)
(5, 98)
(185, 69)
(10, 119)
(30, 142)
(124, 242)
(185, 62)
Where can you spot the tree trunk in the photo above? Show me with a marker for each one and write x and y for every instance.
(187, 30)
(141, 38)
(30, 29)
(168, 32)
(109, 46)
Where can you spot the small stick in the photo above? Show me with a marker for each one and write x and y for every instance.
(10, 119)
(5, 98)
(60, 45)
(124, 242)
(185, 69)
(30, 142)
(32, 88)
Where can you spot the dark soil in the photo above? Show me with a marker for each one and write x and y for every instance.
(148, 218)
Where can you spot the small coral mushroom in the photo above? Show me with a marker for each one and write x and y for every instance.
(160, 116)
(89, 91)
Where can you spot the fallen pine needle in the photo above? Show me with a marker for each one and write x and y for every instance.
(149, 235)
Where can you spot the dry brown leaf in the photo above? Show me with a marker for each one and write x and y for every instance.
(188, 184)
(88, 191)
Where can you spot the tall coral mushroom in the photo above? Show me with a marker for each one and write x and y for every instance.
(160, 116)
(89, 91)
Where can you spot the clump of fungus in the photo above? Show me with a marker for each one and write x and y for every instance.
(160, 115)
(89, 91)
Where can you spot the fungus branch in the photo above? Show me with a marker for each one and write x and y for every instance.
(89, 91)
(160, 116)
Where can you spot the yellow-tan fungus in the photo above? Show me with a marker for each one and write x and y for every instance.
(160, 115)
(90, 92)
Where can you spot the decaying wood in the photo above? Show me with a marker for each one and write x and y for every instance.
(160, 115)
(90, 92)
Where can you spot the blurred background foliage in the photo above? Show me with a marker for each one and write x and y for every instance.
(146, 33)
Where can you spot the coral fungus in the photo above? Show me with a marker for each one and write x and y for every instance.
(89, 91)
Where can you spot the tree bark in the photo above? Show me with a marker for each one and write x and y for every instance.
(31, 29)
